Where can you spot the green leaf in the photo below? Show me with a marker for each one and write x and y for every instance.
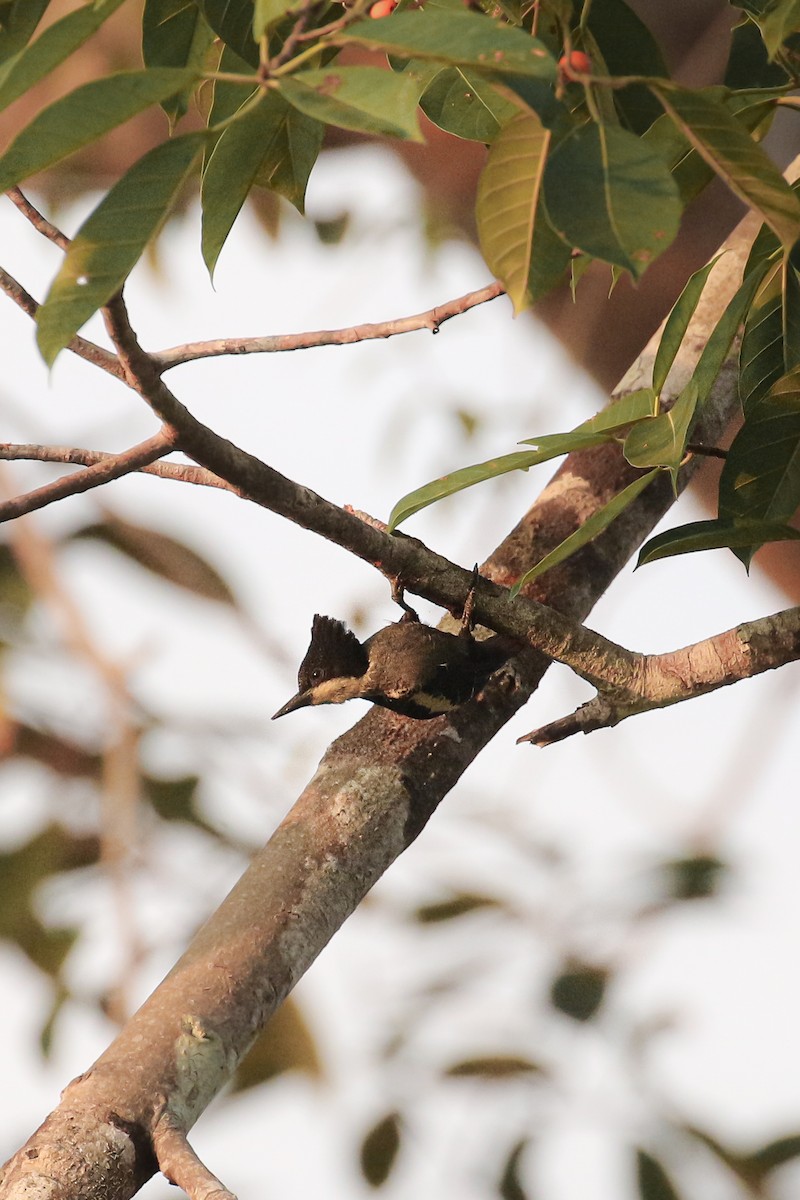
(19, 21)
(463, 103)
(713, 535)
(458, 39)
(510, 1186)
(163, 556)
(455, 906)
(578, 990)
(677, 323)
(267, 12)
(83, 116)
(271, 141)
(590, 529)
(761, 361)
(550, 446)
(519, 245)
(20, 72)
(494, 1066)
(110, 241)
(608, 193)
(628, 48)
(718, 346)
(232, 21)
(773, 1155)
(379, 1149)
(723, 143)
(652, 1179)
(661, 441)
(175, 34)
(286, 1043)
(777, 21)
(623, 410)
(749, 63)
(365, 99)
(761, 476)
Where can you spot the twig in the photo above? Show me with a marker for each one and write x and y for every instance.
(79, 457)
(37, 220)
(165, 360)
(112, 466)
(180, 1164)
(706, 451)
(81, 346)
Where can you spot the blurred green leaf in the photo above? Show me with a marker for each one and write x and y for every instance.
(83, 116)
(232, 21)
(379, 1149)
(653, 1181)
(497, 1066)
(163, 555)
(364, 99)
(98, 260)
(773, 1155)
(578, 990)
(628, 48)
(776, 21)
(456, 906)
(173, 799)
(19, 21)
(32, 63)
(728, 148)
(694, 878)
(611, 196)
(713, 535)
(590, 529)
(175, 34)
(510, 1185)
(465, 39)
(284, 1044)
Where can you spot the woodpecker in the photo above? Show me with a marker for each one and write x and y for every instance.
(409, 667)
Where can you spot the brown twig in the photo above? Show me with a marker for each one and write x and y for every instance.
(111, 466)
(706, 451)
(37, 220)
(79, 457)
(432, 319)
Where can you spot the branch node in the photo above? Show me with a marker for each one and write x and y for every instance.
(180, 1165)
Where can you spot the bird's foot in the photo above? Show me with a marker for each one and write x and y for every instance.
(467, 618)
(399, 597)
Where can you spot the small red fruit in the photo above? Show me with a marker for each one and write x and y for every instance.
(575, 63)
(383, 8)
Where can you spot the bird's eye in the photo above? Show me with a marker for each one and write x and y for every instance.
(316, 675)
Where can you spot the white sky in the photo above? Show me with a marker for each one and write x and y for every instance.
(363, 425)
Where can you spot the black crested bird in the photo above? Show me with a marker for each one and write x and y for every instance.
(409, 667)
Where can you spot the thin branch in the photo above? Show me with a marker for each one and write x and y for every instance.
(112, 466)
(79, 457)
(81, 346)
(637, 683)
(37, 220)
(706, 451)
(180, 1164)
(433, 319)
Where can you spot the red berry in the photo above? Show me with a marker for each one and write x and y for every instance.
(383, 8)
(575, 63)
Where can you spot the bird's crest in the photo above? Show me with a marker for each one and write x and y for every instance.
(335, 651)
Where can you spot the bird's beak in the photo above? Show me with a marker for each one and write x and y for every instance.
(298, 701)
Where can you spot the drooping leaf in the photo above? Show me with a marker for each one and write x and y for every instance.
(776, 21)
(621, 411)
(271, 144)
(720, 139)
(694, 878)
(713, 535)
(609, 194)
(164, 556)
(718, 346)
(379, 1149)
(653, 1181)
(761, 360)
(510, 1185)
(748, 63)
(517, 241)
(773, 1155)
(628, 48)
(232, 21)
(268, 12)
(465, 104)
(364, 99)
(677, 323)
(20, 72)
(20, 18)
(760, 480)
(84, 115)
(590, 529)
(99, 258)
(464, 39)
(661, 441)
(175, 34)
